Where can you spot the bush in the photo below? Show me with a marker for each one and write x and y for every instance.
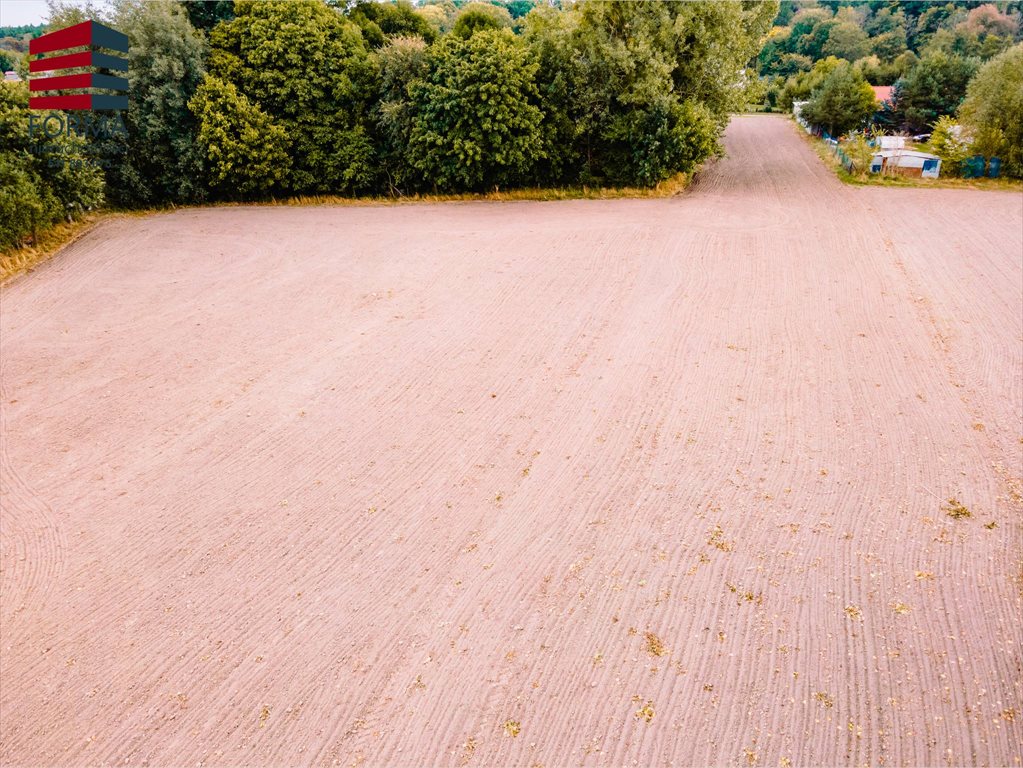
(43, 179)
(993, 109)
(949, 143)
(21, 208)
(476, 125)
(246, 152)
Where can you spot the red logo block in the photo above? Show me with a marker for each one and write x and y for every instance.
(51, 90)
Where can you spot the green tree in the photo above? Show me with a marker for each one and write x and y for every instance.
(6, 61)
(654, 82)
(846, 41)
(381, 21)
(842, 102)
(709, 46)
(948, 142)
(44, 178)
(478, 16)
(403, 61)
(161, 162)
(800, 87)
(549, 35)
(811, 29)
(64, 13)
(306, 67)
(889, 45)
(476, 124)
(246, 153)
(936, 86)
(520, 8)
(206, 14)
(993, 109)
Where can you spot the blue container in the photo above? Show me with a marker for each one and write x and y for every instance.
(973, 167)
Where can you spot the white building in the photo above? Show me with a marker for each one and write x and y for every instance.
(891, 142)
(906, 162)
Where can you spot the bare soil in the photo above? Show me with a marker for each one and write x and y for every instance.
(599, 483)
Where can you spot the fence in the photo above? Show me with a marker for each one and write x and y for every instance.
(847, 162)
(975, 167)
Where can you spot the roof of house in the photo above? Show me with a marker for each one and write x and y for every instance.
(905, 153)
(882, 93)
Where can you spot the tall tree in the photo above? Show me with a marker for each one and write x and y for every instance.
(846, 41)
(161, 162)
(842, 102)
(476, 124)
(206, 14)
(305, 66)
(380, 22)
(936, 86)
(403, 62)
(993, 109)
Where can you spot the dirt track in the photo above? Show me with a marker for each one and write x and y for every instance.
(388, 485)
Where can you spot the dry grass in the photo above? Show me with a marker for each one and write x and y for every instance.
(673, 186)
(26, 258)
(954, 509)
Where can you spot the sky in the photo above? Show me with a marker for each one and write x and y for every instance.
(14, 13)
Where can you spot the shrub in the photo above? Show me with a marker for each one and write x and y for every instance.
(993, 109)
(246, 152)
(476, 125)
(43, 179)
(949, 143)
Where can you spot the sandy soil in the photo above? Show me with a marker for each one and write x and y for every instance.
(582, 483)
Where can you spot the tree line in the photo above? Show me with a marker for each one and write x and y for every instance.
(248, 100)
(956, 70)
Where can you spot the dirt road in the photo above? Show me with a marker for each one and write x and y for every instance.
(651, 482)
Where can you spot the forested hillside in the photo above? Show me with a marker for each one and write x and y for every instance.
(928, 51)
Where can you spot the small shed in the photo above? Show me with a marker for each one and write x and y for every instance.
(10, 76)
(906, 162)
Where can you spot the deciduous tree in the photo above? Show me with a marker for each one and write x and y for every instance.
(842, 102)
(160, 162)
(246, 153)
(936, 86)
(303, 64)
(993, 109)
(476, 122)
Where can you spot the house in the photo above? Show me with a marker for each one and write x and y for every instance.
(906, 162)
(883, 94)
(10, 76)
